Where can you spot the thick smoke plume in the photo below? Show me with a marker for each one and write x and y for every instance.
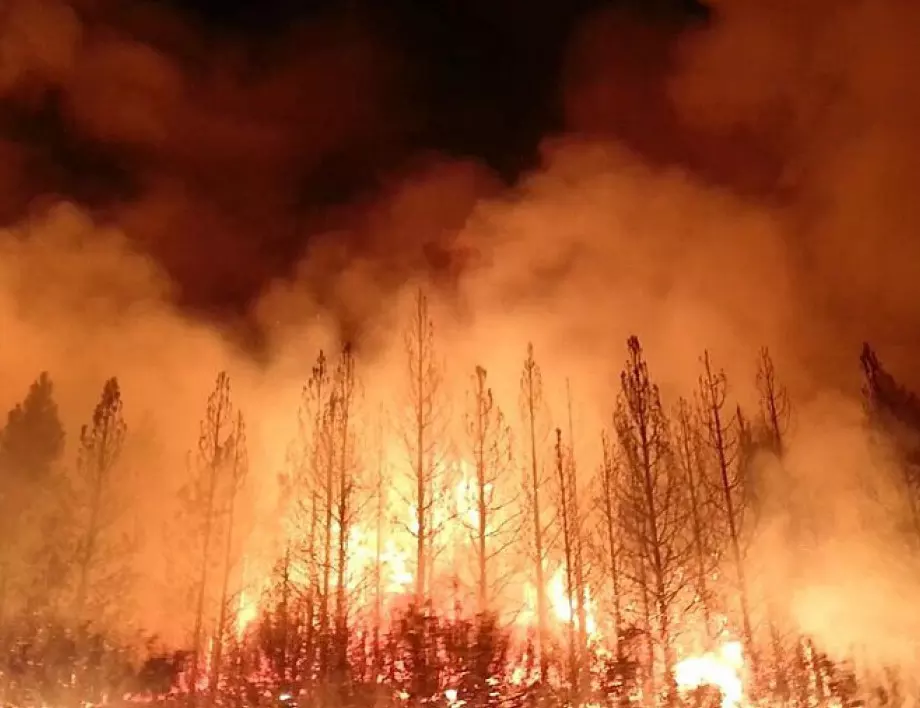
(215, 152)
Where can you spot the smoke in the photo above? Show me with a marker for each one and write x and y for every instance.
(752, 186)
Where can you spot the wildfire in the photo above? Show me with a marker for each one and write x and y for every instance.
(721, 669)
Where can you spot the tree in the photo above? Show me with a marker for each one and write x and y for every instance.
(723, 435)
(32, 493)
(205, 497)
(101, 445)
(690, 459)
(653, 506)
(611, 474)
(531, 404)
(346, 508)
(580, 611)
(33, 439)
(422, 437)
(895, 410)
(492, 524)
(236, 466)
(567, 518)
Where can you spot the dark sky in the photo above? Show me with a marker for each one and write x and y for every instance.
(486, 73)
(244, 128)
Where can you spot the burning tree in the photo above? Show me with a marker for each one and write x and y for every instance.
(346, 505)
(209, 498)
(691, 460)
(99, 546)
(724, 431)
(491, 520)
(424, 440)
(32, 494)
(532, 413)
(653, 510)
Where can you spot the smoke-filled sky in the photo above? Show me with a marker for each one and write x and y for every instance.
(183, 190)
(703, 176)
(756, 153)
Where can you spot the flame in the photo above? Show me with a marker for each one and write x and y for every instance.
(721, 669)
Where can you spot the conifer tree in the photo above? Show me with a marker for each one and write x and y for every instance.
(492, 523)
(101, 445)
(532, 414)
(724, 430)
(653, 509)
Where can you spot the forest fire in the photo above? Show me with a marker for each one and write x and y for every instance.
(480, 571)
(721, 669)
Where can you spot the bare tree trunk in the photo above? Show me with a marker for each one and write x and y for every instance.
(564, 509)
(380, 511)
(236, 447)
(479, 444)
(531, 386)
(217, 654)
(204, 562)
(689, 458)
(609, 491)
(581, 594)
(713, 394)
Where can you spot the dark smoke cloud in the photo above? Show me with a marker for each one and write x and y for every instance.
(223, 142)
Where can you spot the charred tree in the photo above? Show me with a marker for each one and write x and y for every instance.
(690, 458)
(101, 445)
(653, 506)
(567, 522)
(203, 498)
(531, 403)
(347, 472)
(236, 463)
(611, 474)
(422, 438)
(723, 430)
(577, 544)
(492, 522)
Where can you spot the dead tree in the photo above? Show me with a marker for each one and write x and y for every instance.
(577, 544)
(422, 438)
(101, 445)
(531, 403)
(381, 474)
(775, 413)
(347, 471)
(236, 461)
(218, 430)
(610, 476)
(566, 514)
(653, 505)
(722, 429)
(492, 523)
(690, 458)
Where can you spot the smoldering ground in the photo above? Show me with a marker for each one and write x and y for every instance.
(213, 148)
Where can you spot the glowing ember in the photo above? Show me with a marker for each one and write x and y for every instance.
(720, 669)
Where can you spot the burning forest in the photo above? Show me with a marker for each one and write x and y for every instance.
(432, 553)
(456, 354)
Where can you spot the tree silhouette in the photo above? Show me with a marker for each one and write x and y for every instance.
(653, 508)
(101, 445)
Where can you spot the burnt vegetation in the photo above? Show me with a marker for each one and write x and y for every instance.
(519, 561)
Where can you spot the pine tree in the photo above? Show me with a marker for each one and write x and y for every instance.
(532, 410)
(653, 508)
(236, 467)
(724, 436)
(32, 500)
(422, 438)
(101, 445)
(691, 460)
(492, 523)
(204, 497)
